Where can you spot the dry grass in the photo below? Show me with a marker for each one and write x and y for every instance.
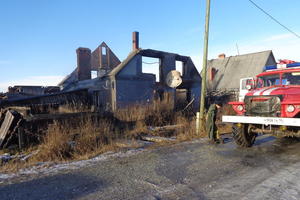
(158, 113)
(189, 129)
(87, 137)
(137, 119)
(70, 141)
(65, 141)
(84, 138)
(225, 128)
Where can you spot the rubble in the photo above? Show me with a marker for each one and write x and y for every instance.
(4, 158)
(125, 143)
(8, 127)
(158, 139)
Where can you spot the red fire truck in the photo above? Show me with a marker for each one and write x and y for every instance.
(271, 105)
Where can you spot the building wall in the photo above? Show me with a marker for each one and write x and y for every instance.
(101, 95)
(195, 94)
(137, 91)
(133, 86)
(133, 68)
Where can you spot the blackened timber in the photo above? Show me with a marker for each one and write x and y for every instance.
(5, 126)
(72, 97)
(61, 116)
(160, 54)
(21, 137)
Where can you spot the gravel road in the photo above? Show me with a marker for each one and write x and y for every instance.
(189, 170)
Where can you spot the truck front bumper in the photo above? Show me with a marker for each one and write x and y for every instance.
(280, 121)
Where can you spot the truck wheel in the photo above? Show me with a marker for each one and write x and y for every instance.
(242, 135)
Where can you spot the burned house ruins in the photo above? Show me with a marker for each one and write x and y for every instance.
(120, 84)
(115, 85)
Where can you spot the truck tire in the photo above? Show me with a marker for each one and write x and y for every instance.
(242, 136)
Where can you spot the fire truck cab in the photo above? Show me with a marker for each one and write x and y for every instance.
(270, 104)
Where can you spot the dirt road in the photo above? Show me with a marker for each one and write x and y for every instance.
(190, 170)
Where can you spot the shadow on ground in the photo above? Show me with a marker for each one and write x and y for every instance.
(66, 186)
(261, 139)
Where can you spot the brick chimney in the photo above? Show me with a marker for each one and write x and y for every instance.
(222, 55)
(83, 63)
(135, 40)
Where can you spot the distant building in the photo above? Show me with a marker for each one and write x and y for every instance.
(224, 73)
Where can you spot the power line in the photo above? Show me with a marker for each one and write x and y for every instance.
(151, 63)
(274, 19)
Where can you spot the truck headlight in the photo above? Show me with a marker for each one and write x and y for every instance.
(290, 108)
(240, 107)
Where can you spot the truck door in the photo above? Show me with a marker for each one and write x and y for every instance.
(243, 87)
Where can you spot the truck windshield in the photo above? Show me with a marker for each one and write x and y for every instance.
(292, 78)
(267, 81)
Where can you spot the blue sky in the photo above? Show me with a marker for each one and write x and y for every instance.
(38, 38)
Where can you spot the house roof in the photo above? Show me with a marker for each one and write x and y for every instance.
(230, 70)
(123, 63)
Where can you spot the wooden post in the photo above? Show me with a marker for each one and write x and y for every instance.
(21, 137)
(204, 67)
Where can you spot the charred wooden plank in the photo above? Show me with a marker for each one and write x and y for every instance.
(14, 127)
(5, 126)
(21, 137)
(72, 97)
(58, 116)
(166, 128)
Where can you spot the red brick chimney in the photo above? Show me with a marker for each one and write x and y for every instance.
(135, 40)
(83, 63)
(222, 55)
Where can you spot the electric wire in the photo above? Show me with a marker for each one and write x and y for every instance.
(150, 63)
(274, 19)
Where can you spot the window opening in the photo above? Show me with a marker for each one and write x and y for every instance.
(94, 74)
(179, 66)
(104, 51)
(151, 66)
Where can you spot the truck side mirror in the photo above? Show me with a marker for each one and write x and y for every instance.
(250, 83)
(248, 87)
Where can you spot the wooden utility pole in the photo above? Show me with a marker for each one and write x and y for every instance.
(204, 67)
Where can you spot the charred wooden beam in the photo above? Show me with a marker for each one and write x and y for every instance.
(72, 97)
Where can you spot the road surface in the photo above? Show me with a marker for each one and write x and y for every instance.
(189, 170)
